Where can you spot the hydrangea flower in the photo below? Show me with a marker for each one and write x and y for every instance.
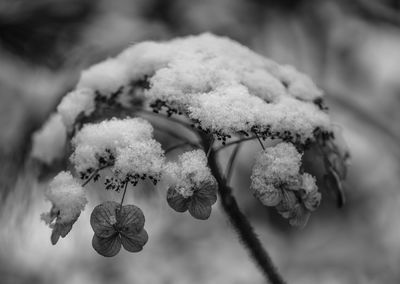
(115, 225)
(193, 187)
(198, 203)
(125, 145)
(68, 199)
(277, 182)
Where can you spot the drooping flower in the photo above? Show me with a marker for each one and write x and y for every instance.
(277, 182)
(68, 199)
(115, 225)
(192, 186)
(198, 203)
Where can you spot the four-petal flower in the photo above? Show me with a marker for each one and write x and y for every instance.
(199, 203)
(114, 225)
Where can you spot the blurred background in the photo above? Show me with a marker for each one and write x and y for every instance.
(351, 49)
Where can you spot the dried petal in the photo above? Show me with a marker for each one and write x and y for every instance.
(269, 195)
(300, 216)
(134, 242)
(103, 219)
(287, 204)
(200, 207)
(208, 190)
(130, 219)
(311, 200)
(176, 201)
(60, 230)
(107, 247)
(334, 183)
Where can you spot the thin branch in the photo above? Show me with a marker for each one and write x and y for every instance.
(94, 174)
(172, 148)
(231, 161)
(161, 116)
(233, 143)
(123, 195)
(259, 140)
(210, 146)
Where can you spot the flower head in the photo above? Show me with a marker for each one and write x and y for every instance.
(277, 182)
(68, 199)
(115, 225)
(198, 203)
(192, 186)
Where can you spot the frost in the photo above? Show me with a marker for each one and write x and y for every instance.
(49, 142)
(126, 145)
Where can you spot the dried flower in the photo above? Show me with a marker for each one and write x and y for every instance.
(114, 225)
(198, 203)
(68, 199)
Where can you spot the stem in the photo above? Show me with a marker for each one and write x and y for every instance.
(233, 143)
(229, 166)
(241, 224)
(259, 140)
(161, 116)
(93, 175)
(181, 145)
(210, 147)
(123, 195)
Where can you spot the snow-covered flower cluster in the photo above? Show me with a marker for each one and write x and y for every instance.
(221, 86)
(192, 185)
(125, 145)
(277, 181)
(222, 89)
(68, 199)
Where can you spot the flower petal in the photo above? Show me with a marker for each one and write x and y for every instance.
(176, 201)
(103, 218)
(208, 190)
(130, 219)
(200, 208)
(300, 216)
(107, 247)
(134, 243)
(312, 200)
(60, 230)
(269, 195)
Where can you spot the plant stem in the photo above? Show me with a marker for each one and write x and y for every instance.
(123, 195)
(240, 222)
(229, 166)
(233, 143)
(94, 173)
(259, 140)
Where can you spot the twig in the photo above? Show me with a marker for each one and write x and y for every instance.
(229, 166)
(233, 143)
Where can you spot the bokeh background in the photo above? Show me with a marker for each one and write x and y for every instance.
(351, 49)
